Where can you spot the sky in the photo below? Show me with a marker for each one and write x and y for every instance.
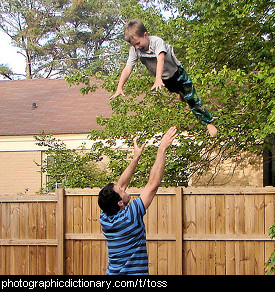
(9, 55)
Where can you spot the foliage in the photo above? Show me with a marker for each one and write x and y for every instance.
(238, 34)
(229, 57)
(6, 71)
(58, 36)
(242, 127)
(270, 264)
(70, 167)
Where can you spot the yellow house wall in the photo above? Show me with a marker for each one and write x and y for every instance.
(19, 173)
(247, 172)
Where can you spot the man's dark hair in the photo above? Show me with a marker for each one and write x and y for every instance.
(108, 199)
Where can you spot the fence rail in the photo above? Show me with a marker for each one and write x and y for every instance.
(189, 231)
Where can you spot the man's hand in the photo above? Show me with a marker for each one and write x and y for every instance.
(138, 150)
(168, 138)
(127, 174)
(157, 170)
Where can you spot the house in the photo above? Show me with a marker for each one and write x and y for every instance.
(27, 107)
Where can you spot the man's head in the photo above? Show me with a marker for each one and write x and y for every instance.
(112, 198)
(136, 34)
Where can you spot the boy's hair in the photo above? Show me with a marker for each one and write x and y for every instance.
(132, 28)
(108, 199)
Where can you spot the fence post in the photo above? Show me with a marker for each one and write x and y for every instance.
(60, 230)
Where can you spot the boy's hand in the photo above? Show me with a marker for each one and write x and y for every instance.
(159, 70)
(157, 85)
(117, 93)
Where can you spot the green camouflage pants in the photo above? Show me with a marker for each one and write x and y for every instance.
(181, 83)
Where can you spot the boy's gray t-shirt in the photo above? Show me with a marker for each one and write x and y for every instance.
(149, 58)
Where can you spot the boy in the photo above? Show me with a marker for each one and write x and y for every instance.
(160, 61)
(122, 224)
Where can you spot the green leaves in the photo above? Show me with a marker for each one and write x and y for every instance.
(270, 264)
(236, 35)
(75, 168)
(58, 37)
(228, 55)
(235, 98)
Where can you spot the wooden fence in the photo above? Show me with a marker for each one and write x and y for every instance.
(32, 234)
(189, 231)
(226, 230)
(85, 244)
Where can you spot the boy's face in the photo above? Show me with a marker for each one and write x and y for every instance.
(140, 43)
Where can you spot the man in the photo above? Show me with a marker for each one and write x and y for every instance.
(122, 224)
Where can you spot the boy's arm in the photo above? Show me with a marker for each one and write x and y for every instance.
(125, 74)
(127, 174)
(157, 171)
(160, 65)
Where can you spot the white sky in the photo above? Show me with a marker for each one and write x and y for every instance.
(9, 55)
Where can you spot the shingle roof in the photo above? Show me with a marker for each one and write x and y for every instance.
(30, 106)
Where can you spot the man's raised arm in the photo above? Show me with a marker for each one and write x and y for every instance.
(127, 174)
(157, 170)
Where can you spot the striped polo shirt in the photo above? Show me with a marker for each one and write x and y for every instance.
(126, 240)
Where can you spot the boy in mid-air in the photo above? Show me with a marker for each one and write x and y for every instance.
(159, 59)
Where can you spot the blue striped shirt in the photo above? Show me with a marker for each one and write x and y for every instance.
(126, 240)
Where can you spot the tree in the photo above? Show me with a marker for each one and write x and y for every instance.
(6, 71)
(241, 120)
(238, 34)
(69, 167)
(56, 36)
(235, 42)
(233, 73)
(30, 25)
(88, 25)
